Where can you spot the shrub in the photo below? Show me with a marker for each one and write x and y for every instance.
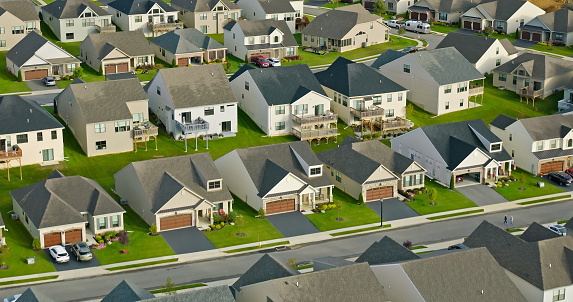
(331, 206)
(100, 70)
(452, 182)
(218, 227)
(123, 238)
(228, 64)
(98, 238)
(401, 31)
(19, 75)
(216, 218)
(324, 207)
(376, 135)
(36, 244)
(261, 213)
(488, 31)
(232, 216)
(208, 229)
(100, 241)
(291, 262)
(153, 228)
(408, 244)
(432, 194)
(107, 238)
(361, 199)
(174, 63)
(367, 136)
(158, 66)
(499, 184)
(212, 226)
(502, 33)
(542, 44)
(222, 224)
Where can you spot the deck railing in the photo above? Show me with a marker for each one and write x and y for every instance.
(314, 134)
(524, 92)
(11, 153)
(193, 127)
(105, 29)
(365, 113)
(315, 119)
(164, 26)
(141, 131)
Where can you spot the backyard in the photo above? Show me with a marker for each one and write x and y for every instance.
(447, 200)
(513, 191)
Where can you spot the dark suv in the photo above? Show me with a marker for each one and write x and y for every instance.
(560, 178)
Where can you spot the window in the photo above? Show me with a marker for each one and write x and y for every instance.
(344, 101)
(2, 43)
(101, 223)
(71, 67)
(558, 37)
(497, 50)
(569, 143)
(101, 145)
(497, 62)
(448, 89)
(377, 100)
(276, 39)
(503, 77)
(514, 80)
(297, 14)
(203, 29)
(235, 16)
(443, 16)
(279, 110)
(54, 134)
(138, 19)
(21, 138)
(209, 110)
(251, 40)
(495, 147)
(418, 179)
(290, 50)
(142, 60)
(2, 30)
(99, 128)
(510, 137)
(400, 96)
(214, 16)
(371, 25)
(69, 36)
(407, 181)
(447, 105)
(539, 146)
(222, 109)
(88, 22)
(390, 5)
(39, 137)
(512, 153)
(17, 30)
(389, 98)
(338, 176)
(158, 91)
(246, 85)
(499, 24)
(559, 294)
(289, 17)
(280, 126)
(462, 87)
(214, 185)
(316, 171)
(115, 221)
(8, 141)
(553, 144)
(536, 85)
(69, 23)
(526, 83)
(300, 109)
(389, 113)
(311, 38)
(406, 68)
(202, 16)
(305, 37)
(521, 72)
(262, 40)
(461, 102)
(121, 126)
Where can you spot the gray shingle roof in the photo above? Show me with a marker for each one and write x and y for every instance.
(265, 269)
(133, 43)
(386, 251)
(536, 232)
(197, 85)
(387, 57)
(539, 66)
(27, 47)
(569, 224)
(221, 293)
(138, 7)
(446, 6)
(67, 9)
(275, 6)
(23, 115)
(188, 40)
(338, 22)
(203, 5)
(502, 121)
(60, 200)
(328, 262)
(548, 127)
(252, 28)
(553, 153)
(501, 9)
(23, 10)
(472, 47)
(127, 292)
(32, 295)
(355, 79)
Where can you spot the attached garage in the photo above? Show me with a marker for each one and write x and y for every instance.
(116, 68)
(175, 222)
(551, 166)
(525, 35)
(110, 68)
(369, 5)
(35, 74)
(280, 206)
(414, 15)
(476, 26)
(122, 67)
(52, 239)
(423, 17)
(379, 193)
(182, 61)
(467, 25)
(536, 37)
(74, 235)
(264, 54)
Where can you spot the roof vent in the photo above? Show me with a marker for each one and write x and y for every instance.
(85, 87)
(549, 265)
(297, 284)
(211, 74)
(28, 120)
(512, 62)
(261, 70)
(380, 81)
(482, 291)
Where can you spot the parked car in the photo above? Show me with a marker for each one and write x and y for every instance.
(410, 49)
(459, 246)
(394, 23)
(82, 251)
(569, 171)
(262, 62)
(12, 299)
(49, 81)
(59, 254)
(561, 178)
(559, 229)
(274, 62)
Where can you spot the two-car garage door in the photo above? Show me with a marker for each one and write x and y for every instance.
(35, 74)
(116, 68)
(551, 166)
(175, 222)
(379, 193)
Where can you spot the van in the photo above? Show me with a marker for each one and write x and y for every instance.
(418, 27)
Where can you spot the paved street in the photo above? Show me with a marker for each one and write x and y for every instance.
(393, 209)
(432, 39)
(292, 224)
(481, 195)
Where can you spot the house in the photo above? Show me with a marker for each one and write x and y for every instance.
(286, 112)
(128, 292)
(66, 209)
(537, 144)
(397, 7)
(252, 38)
(28, 134)
(209, 17)
(116, 52)
(21, 18)
(193, 100)
(328, 262)
(536, 232)
(33, 295)
(483, 53)
(472, 274)
(153, 17)
(360, 95)
(265, 269)
(287, 10)
(439, 10)
(183, 47)
(34, 57)
(220, 293)
(386, 251)
(371, 169)
(345, 28)
(566, 104)
(466, 151)
(556, 27)
(74, 20)
(539, 269)
(277, 178)
(503, 16)
(111, 116)
(439, 81)
(175, 192)
(533, 75)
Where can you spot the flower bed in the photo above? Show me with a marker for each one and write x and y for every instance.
(323, 207)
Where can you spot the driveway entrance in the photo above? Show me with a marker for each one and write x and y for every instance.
(394, 209)
(481, 195)
(187, 240)
(292, 224)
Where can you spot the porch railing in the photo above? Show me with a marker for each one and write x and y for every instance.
(11, 153)
(564, 104)
(328, 117)
(106, 28)
(314, 134)
(197, 126)
(476, 90)
(145, 131)
(163, 26)
(396, 124)
(524, 92)
(362, 114)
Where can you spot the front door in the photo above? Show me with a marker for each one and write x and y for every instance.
(48, 154)
(226, 126)
(55, 70)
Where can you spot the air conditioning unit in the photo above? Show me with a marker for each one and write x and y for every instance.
(123, 201)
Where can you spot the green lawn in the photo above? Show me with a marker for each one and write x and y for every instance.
(351, 213)
(338, 4)
(560, 50)
(310, 17)
(8, 82)
(218, 37)
(512, 191)
(255, 229)
(343, 132)
(443, 29)
(446, 201)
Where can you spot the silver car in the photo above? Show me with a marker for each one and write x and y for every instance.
(274, 62)
(559, 229)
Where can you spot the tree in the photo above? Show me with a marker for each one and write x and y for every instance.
(36, 245)
(432, 195)
(123, 239)
(174, 63)
(487, 31)
(291, 262)
(522, 178)
(19, 75)
(79, 72)
(100, 69)
(261, 213)
(379, 7)
(401, 31)
(339, 207)
(360, 199)
(407, 244)
(409, 109)
(169, 287)
(153, 229)
(452, 182)
(517, 33)
(240, 222)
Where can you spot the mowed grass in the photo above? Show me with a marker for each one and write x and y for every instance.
(443, 28)
(560, 50)
(8, 82)
(446, 200)
(512, 191)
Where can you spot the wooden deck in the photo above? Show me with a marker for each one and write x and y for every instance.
(10, 155)
(310, 120)
(367, 114)
(318, 134)
(144, 134)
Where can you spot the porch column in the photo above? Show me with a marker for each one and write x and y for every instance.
(331, 188)
(211, 216)
(313, 199)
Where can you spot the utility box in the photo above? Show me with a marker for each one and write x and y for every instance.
(540, 184)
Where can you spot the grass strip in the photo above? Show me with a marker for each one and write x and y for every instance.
(304, 267)
(164, 290)
(424, 252)
(514, 230)
(455, 214)
(28, 280)
(419, 247)
(541, 200)
(117, 268)
(360, 230)
(562, 221)
(258, 247)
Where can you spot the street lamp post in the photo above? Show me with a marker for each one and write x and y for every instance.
(381, 212)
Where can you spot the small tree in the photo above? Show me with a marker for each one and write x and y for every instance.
(261, 213)
(517, 33)
(379, 7)
(339, 207)
(487, 31)
(123, 239)
(432, 195)
(36, 244)
(79, 72)
(522, 179)
(174, 63)
(408, 244)
(169, 287)
(409, 109)
(360, 199)
(19, 75)
(101, 69)
(240, 222)
(452, 182)
(153, 229)
(292, 262)
(228, 64)
(401, 31)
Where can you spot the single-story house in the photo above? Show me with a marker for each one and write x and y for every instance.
(555, 26)
(503, 16)
(446, 11)
(183, 47)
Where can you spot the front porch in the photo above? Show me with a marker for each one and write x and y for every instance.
(309, 197)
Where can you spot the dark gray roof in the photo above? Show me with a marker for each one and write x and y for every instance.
(386, 251)
(501, 9)
(569, 224)
(23, 10)
(107, 100)
(355, 79)
(67, 9)
(266, 164)
(127, 292)
(502, 121)
(188, 40)
(328, 262)
(472, 47)
(133, 43)
(548, 127)
(197, 85)
(203, 5)
(446, 6)
(537, 65)
(27, 47)
(536, 232)
(221, 293)
(275, 6)
(138, 7)
(162, 178)
(239, 72)
(32, 295)
(472, 274)
(553, 153)
(265, 269)
(387, 57)
(23, 115)
(546, 264)
(60, 200)
(338, 22)
(263, 28)
(118, 76)
(293, 82)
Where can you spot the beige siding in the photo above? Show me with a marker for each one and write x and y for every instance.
(379, 33)
(129, 187)
(237, 178)
(7, 20)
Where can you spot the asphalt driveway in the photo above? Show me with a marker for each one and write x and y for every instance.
(187, 240)
(481, 195)
(73, 264)
(568, 188)
(38, 85)
(394, 209)
(292, 224)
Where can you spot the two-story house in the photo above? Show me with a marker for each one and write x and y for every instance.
(567, 102)
(301, 108)
(187, 46)
(193, 100)
(74, 20)
(17, 18)
(106, 117)
(345, 28)
(439, 80)
(397, 7)
(287, 10)
(153, 17)
(360, 95)
(555, 26)
(268, 38)
(501, 15)
(446, 11)
(209, 17)
(537, 144)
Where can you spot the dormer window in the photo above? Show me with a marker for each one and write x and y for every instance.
(495, 147)
(214, 185)
(553, 143)
(315, 171)
(570, 143)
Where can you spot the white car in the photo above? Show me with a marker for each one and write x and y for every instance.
(393, 23)
(59, 254)
(12, 299)
(559, 229)
(274, 62)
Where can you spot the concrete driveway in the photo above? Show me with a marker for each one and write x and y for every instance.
(481, 195)
(394, 209)
(187, 240)
(37, 85)
(292, 224)
(73, 264)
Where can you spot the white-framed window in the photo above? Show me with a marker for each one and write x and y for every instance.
(553, 143)
(209, 110)
(101, 145)
(2, 43)
(447, 105)
(17, 30)
(316, 171)
(88, 22)
(448, 89)
(377, 100)
(101, 223)
(213, 185)
(262, 39)
(251, 40)
(69, 23)
(138, 19)
(443, 16)
(39, 137)
(121, 126)
(461, 102)
(138, 118)
(389, 113)
(539, 146)
(115, 221)
(497, 50)
(21, 138)
(203, 29)
(400, 96)
(54, 136)
(203, 16)
(495, 147)
(142, 60)
(297, 14)
(462, 87)
(71, 67)
(389, 98)
(221, 108)
(338, 176)
(99, 128)
(497, 62)
(406, 68)
(246, 85)
(2, 30)
(290, 50)
(280, 126)
(559, 294)
(279, 110)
